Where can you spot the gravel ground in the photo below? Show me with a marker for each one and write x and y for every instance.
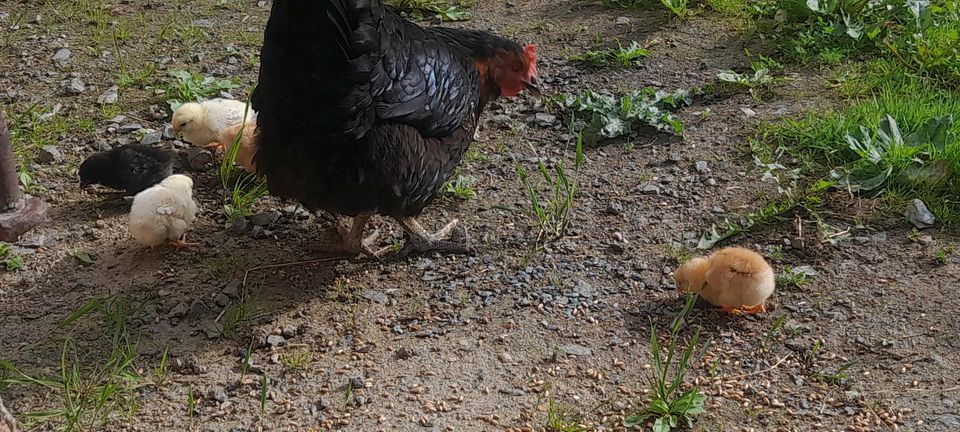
(504, 339)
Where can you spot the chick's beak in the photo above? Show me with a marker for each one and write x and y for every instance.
(531, 86)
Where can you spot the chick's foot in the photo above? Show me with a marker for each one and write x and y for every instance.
(744, 310)
(422, 241)
(182, 243)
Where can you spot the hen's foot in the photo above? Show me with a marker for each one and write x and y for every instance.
(421, 241)
(351, 240)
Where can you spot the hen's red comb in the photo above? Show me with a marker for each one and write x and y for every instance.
(530, 51)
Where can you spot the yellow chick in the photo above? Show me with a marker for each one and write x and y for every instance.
(248, 144)
(162, 213)
(737, 280)
(201, 123)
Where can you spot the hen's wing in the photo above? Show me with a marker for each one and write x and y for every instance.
(361, 64)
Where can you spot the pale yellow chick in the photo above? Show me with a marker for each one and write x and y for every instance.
(163, 212)
(248, 144)
(201, 123)
(737, 280)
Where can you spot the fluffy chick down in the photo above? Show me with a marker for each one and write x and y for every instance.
(164, 212)
(733, 278)
(248, 144)
(201, 123)
(133, 167)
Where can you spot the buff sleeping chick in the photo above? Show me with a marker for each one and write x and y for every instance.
(737, 280)
(162, 213)
(201, 123)
(248, 145)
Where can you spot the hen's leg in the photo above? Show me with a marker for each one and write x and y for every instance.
(352, 240)
(422, 241)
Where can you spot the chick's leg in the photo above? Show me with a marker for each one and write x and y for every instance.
(181, 243)
(215, 146)
(422, 241)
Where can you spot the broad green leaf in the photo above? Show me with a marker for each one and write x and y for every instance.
(889, 133)
(729, 76)
(861, 142)
(854, 29)
(662, 425)
(935, 131)
(635, 420)
(926, 176)
(867, 178)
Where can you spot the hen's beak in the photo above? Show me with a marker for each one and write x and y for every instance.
(531, 86)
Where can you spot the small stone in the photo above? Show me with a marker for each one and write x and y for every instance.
(502, 120)
(615, 208)
(276, 340)
(168, 132)
(238, 226)
(221, 300)
(213, 330)
(584, 289)
(622, 21)
(918, 215)
(180, 310)
(259, 233)
(203, 22)
(748, 112)
(151, 137)
(544, 119)
(650, 190)
(49, 154)
(702, 167)
(264, 219)
(199, 158)
(375, 296)
(101, 145)
(356, 382)
(576, 350)
(129, 127)
(505, 357)
(220, 396)
(405, 353)
(513, 392)
(109, 97)
(61, 57)
(73, 87)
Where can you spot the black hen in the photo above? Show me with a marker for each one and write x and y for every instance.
(133, 168)
(362, 112)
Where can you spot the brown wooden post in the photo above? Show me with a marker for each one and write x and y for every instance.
(9, 191)
(7, 422)
(18, 213)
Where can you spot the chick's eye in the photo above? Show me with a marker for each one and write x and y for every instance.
(183, 124)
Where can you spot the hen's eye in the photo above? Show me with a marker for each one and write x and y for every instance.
(518, 67)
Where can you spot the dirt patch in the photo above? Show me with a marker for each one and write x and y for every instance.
(469, 343)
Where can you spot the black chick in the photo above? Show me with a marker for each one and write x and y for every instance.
(133, 168)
